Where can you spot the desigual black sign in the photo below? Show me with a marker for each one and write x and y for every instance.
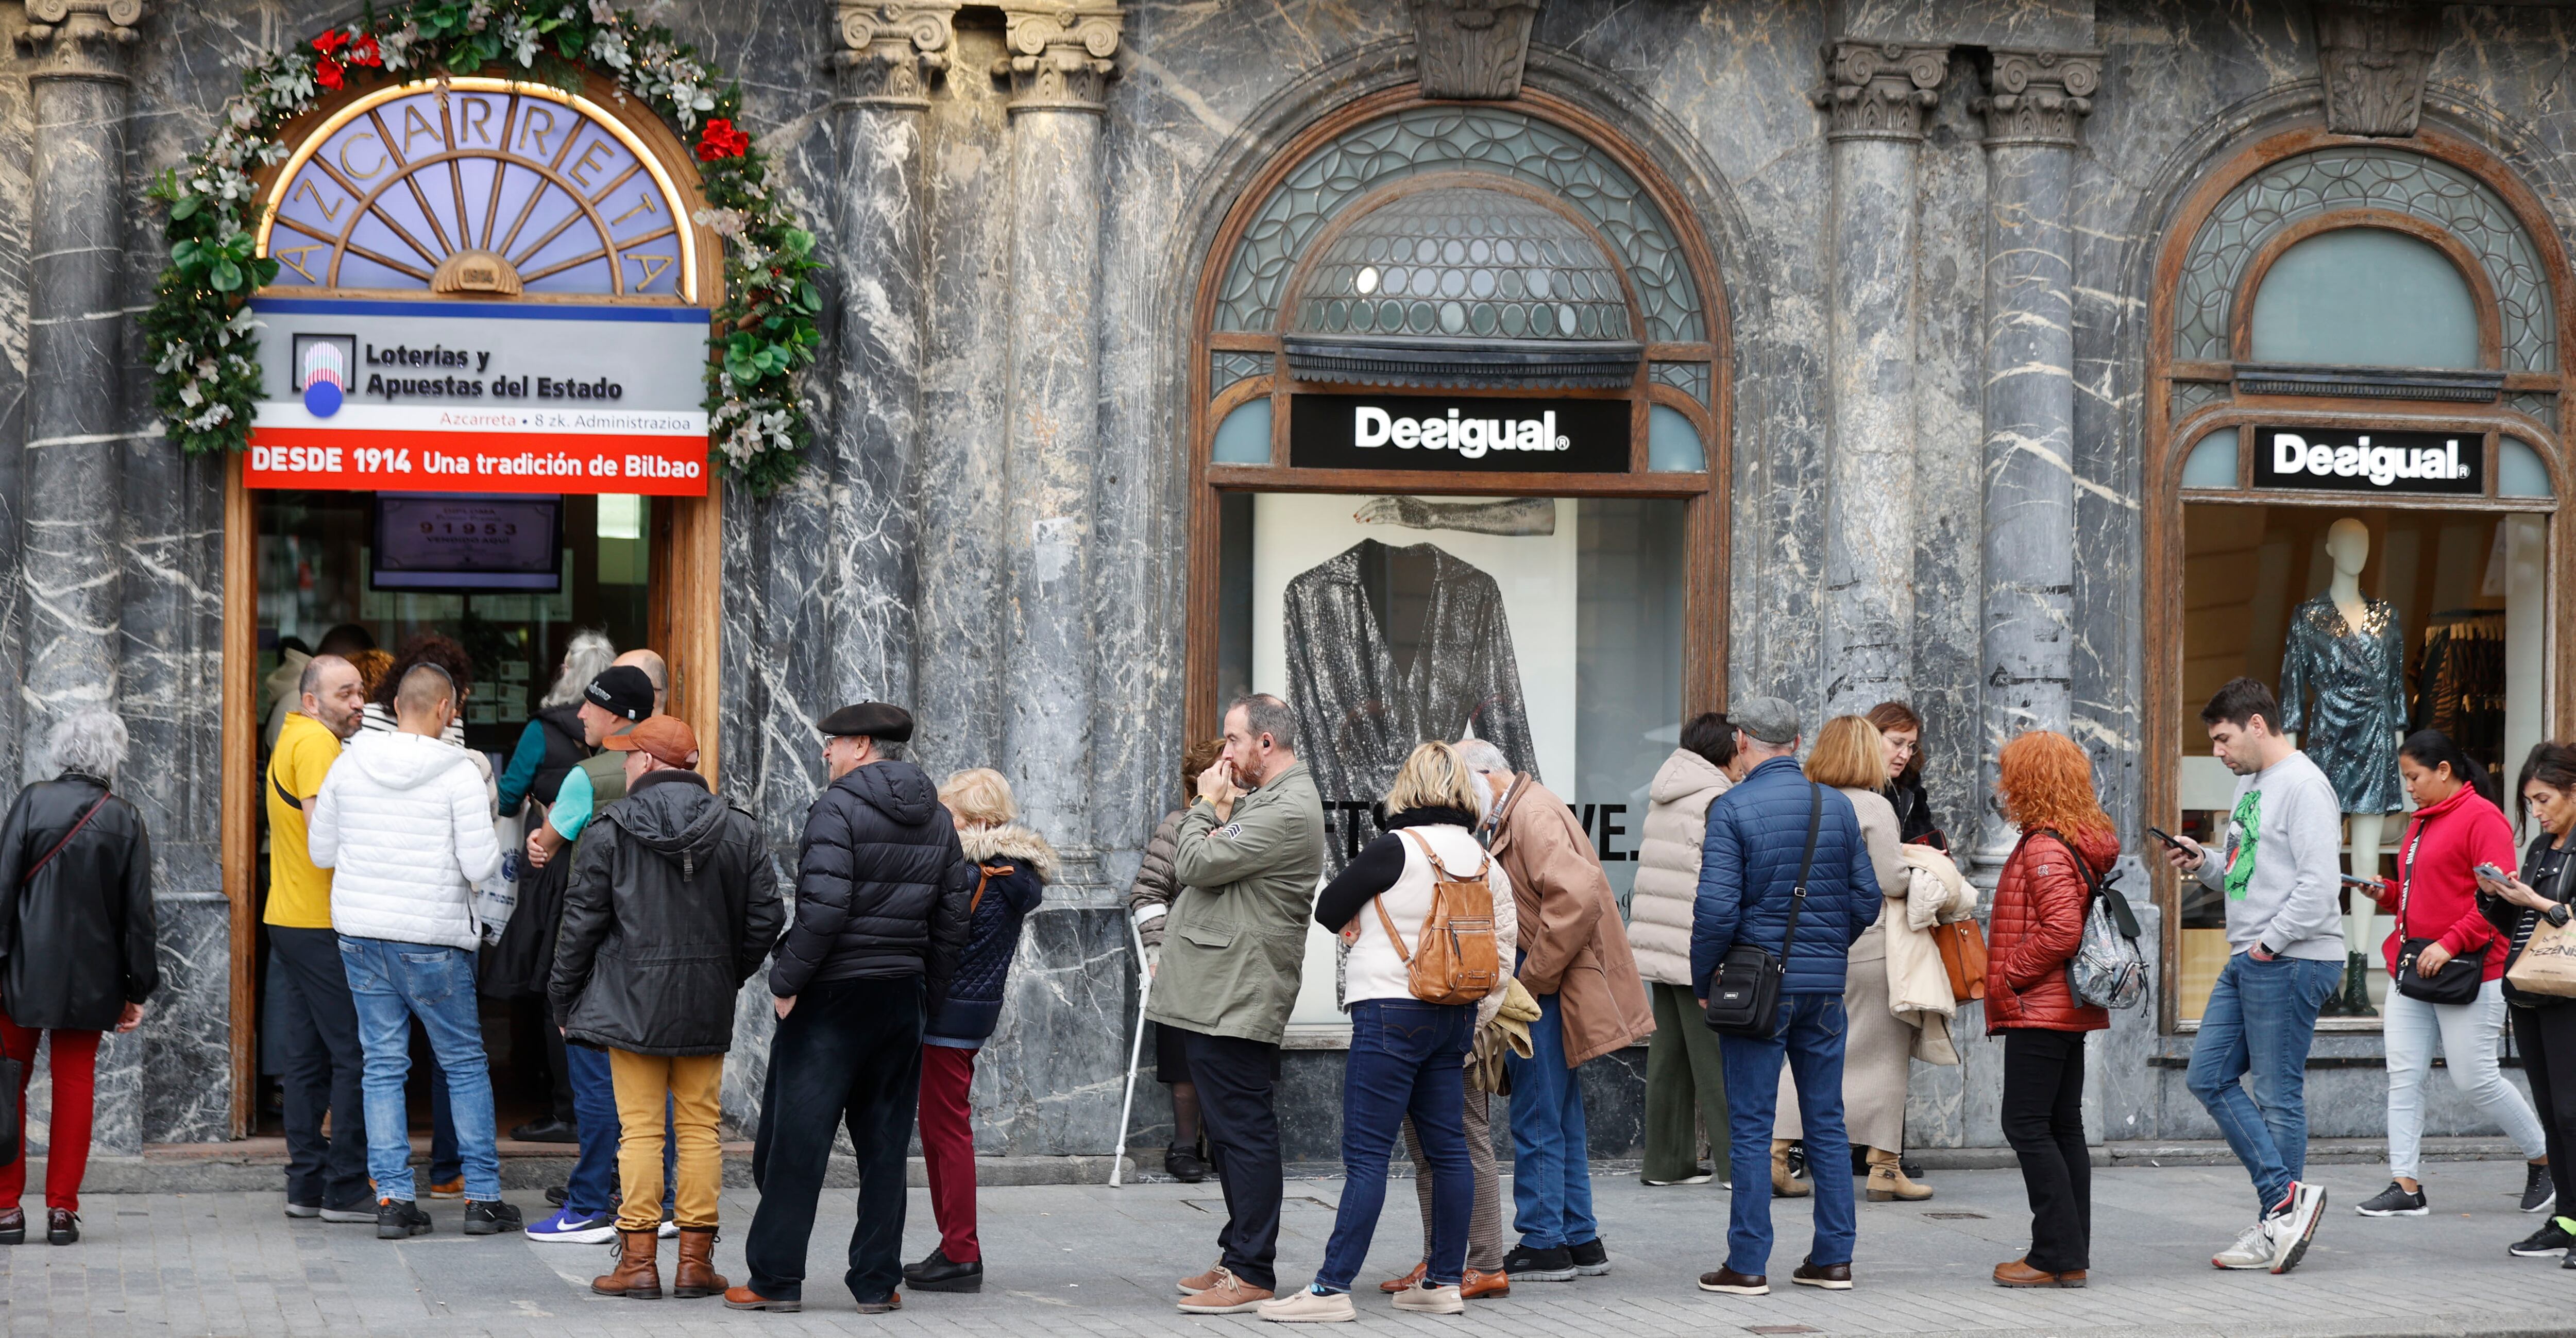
(2368, 461)
(1463, 434)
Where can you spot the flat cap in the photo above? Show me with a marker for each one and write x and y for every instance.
(875, 720)
(1769, 719)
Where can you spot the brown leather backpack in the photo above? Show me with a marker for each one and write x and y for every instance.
(1456, 960)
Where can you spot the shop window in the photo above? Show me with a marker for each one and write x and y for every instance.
(2519, 470)
(1244, 437)
(2213, 461)
(2365, 297)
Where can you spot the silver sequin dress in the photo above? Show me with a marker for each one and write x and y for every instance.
(2358, 677)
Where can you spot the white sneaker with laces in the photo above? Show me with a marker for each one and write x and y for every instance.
(2291, 1231)
(2253, 1249)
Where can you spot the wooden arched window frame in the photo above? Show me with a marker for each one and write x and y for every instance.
(2188, 399)
(1703, 491)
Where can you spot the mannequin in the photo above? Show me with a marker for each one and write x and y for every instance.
(2348, 651)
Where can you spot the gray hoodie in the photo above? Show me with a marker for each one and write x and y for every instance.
(2279, 872)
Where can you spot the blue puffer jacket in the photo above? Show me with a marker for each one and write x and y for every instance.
(1015, 866)
(1748, 864)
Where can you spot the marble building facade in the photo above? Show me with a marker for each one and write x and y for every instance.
(1942, 232)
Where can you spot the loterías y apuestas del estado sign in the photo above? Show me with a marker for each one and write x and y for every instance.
(1459, 434)
(2369, 460)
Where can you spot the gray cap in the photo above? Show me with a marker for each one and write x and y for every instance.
(1769, 719)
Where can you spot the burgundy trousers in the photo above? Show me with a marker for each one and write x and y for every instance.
(948, 1148)
(75, 1069)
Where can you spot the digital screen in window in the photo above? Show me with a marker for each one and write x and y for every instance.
(467, 541)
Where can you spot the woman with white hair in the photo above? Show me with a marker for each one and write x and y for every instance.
(553, 743)
(76, 948)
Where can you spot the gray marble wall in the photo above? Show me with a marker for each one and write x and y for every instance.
(993, 523)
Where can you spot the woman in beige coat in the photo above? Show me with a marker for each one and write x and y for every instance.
(1851, 755)
(1685, 1085)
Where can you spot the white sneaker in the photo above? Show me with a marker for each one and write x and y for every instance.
(1428, 1299)
(1305, 1306)
(2253, 1249)
(2291, 1231)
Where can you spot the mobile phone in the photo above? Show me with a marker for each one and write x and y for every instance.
(2372, 883)
(2490, 872)
(2167, 837)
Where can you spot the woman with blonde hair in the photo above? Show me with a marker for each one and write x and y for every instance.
(1407, 1055)
(1013, 865)
(2045, 785)
(1851, 756)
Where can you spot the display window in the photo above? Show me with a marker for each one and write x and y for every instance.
(2355, 500)
(1458, 447)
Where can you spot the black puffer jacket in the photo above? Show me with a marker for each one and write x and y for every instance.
(78, 938)
(1013, 865)
(671, 906)
(881, 886)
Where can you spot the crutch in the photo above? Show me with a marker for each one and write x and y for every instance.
(1135, 1055)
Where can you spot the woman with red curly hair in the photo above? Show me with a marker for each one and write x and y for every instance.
(2045, 783)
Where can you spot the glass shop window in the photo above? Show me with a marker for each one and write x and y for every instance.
(2365, 297)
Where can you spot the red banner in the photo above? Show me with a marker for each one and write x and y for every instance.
(436, 461)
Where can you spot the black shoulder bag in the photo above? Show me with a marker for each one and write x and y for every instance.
(1744, 991)
(2458, 980)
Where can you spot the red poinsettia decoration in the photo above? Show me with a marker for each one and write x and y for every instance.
(721, 140)
(336, 50)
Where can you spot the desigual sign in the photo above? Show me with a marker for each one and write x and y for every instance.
(462, 396)
(1458, 434)
(2370, 461)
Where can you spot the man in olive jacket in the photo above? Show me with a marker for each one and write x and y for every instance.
(672, 905)
(1248, 856)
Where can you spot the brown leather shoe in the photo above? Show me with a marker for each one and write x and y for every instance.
(1732, 1283)
(13, 1226)
(696, 1275)
(744, 1298)
(892, 1303)
(637, 1277)
(1831, 1277)
(1230, 1296)
(2019, 1273)
(1485, 1286)
(1199, 1282)
(1406, 1283)
(62, 1226)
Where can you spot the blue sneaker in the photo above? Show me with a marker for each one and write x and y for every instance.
(567, 1225)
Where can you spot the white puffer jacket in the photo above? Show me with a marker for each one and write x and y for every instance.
(1666, 896)
(404, 827)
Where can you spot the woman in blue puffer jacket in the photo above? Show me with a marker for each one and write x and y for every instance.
(1013, 867)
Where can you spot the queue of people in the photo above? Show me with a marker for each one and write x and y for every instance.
(1482, 950)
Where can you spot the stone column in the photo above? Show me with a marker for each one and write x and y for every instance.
(2033, 103)
(1059, 68)
(75, 323)
(1875, 100)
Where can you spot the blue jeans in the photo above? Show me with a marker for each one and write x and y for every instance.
(445, 1163)
(1551, 1170)
(393, 983)
(2259, 1023)
(590, 1191)
(1407, 1058)
(1810, 1040)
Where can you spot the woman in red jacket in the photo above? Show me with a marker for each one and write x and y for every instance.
(2045, 783)
(2456, 827)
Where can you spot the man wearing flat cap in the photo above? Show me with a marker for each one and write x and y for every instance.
(882, 893)
(672, 906)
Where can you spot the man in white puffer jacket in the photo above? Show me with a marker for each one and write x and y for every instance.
(405, 824)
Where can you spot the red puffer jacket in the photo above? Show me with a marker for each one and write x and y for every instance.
(2037, 924)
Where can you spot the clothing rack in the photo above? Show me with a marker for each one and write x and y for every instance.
(2460, 681)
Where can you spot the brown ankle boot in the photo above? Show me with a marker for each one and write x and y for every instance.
(1782, 1186)
(1887, 1180)
(636, 1277)
(696, 1275)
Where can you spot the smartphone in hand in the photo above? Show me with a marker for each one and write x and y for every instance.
(2167, 837)
(2490, 873)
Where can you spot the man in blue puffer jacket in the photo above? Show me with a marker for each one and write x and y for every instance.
(1757, 835)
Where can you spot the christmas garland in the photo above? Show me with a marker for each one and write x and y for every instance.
(201, 326)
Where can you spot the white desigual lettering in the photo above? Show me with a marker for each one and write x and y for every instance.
(2382, 465)
(1471, 438)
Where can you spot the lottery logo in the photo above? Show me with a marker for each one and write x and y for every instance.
(322, 370)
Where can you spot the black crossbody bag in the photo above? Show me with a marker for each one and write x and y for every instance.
(2459, 979)
(1744, 992)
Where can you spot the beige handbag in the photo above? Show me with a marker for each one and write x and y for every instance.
(2548, 964)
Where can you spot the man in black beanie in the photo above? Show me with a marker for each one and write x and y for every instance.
(882, 889)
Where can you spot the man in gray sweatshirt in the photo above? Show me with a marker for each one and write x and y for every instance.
(2278, 877)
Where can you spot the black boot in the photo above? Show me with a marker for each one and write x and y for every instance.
(2356, 987)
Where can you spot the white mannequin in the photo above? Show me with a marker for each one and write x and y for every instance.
(2348, 546)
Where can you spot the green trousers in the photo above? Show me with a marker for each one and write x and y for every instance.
(1683, 1077)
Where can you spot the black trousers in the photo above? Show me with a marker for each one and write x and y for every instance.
(2043, 1119)
(1238, 1084)
(320, 1067)
(849, 1053)
(2547, 1039)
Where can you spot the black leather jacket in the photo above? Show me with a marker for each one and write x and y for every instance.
(672, 905)
(77, 938)
(881, 886)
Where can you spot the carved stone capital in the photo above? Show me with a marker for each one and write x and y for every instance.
(1060, 53)
(892, 48)
(2038, 97)
(80, 39)
(2373, 57)
(1880, 90)
(1472, 48)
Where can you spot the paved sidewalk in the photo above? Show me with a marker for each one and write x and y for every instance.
(1096, 1260)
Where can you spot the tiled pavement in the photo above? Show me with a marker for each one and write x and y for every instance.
(1096, 1260)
